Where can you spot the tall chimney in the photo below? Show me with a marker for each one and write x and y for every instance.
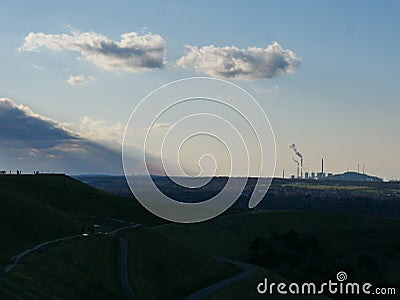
(283, 173)
(322, 167)
(301, 167)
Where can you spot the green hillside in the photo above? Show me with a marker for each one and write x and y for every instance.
(174, 260)
(87, 268)
(44, 207)
(302, 245)
(163, 268)
(84, 268)
(35, 209)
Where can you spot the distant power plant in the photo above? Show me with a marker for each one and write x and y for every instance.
(299, 164)
(297, 158)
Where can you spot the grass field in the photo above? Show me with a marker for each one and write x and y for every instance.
(83, 268)
(34, 209)
(173, 260)
(163, 268)
(230, 235)
(367, 248)
(86, 268)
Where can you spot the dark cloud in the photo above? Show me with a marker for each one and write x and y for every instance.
(32, 142)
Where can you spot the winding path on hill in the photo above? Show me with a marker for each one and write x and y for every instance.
(122, 259)
(248, 270)
(123, 262)
(123, 269)
(15, 259)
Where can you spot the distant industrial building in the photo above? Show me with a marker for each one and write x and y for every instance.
(297, 158)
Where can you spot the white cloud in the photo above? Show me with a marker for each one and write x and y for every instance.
(244, 64)
(161, 126)
(101, 130)
(135, 52)
(37, 67)
(271, 90)
(80, 79)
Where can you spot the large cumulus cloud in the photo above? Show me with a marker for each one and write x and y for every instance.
(244, 64)
(135, 52)
(29, 141)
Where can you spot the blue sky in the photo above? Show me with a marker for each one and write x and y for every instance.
(341, 102)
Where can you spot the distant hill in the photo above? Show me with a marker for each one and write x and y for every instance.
(354, 176)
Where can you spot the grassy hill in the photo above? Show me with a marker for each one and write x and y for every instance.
(34, 209)
(163, 268)
(302, 246)
(83, 268)
(173, 260)
(44, 207)
(87, 268)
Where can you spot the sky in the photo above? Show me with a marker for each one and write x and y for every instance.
(324, 72)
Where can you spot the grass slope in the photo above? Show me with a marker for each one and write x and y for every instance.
(162, 268)
(83, 268)
(303, 245)
(44, 207)
(87, 268)
(231, 235)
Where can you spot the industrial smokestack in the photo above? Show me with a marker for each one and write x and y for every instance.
(297, 162)
(298, 154)
(301, 167)
(322, 166)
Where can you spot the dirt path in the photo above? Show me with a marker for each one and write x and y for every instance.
(248, 270)
(123, 269)
(123, 263)
(122, 259)
(15, 259)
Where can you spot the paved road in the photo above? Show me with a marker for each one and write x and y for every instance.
(248, 270)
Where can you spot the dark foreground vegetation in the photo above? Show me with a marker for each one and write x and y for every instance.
(170, 261)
